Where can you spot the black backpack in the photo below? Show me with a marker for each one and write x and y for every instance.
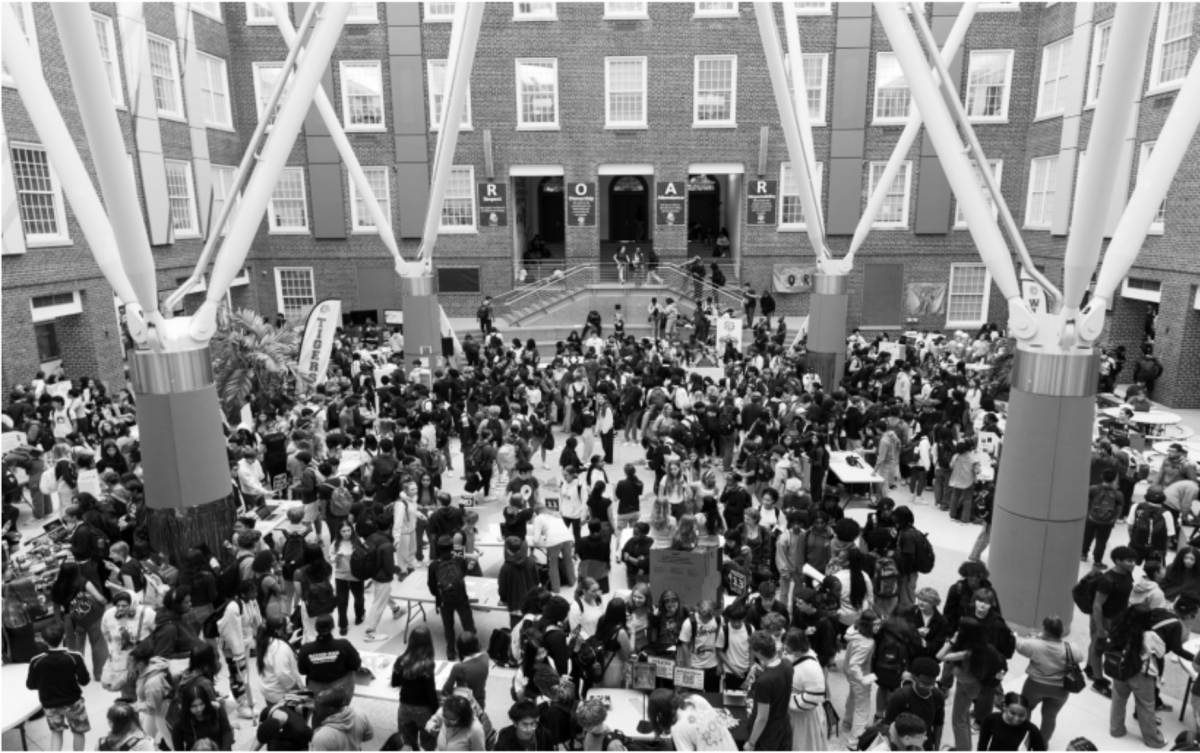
(926, 558)
(452, 589)
(1084, 592)
(98, 542)
(293, 551)
(321, 599)
(363, 562)
(891, 661)
(589, 656)
(230, 577)
(500, 647)
(1149, 529)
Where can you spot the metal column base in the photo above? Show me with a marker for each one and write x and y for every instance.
(422, 322)
(827, 328)
(1041, 492)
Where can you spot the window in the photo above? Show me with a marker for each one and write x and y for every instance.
(815, 67)
(458, 206)
(892, 97)
(1099, 55)
(1172, 42)
(439, 13)
(47, 308)
(265, 76)
(287, 211)
(534, 12)
(791, 216)
(363, 13)
(1141, 289)
(437, 95)
(361, 220)
(716, 9)
(212, 10)
(813, 9)
(107, 41)
(222, 187)
(39, 196)
(1056, 70)
(967, 302)
(1043, 174)
(458, 280)
(537, 93)
(959, 219)
(180, 198)
(24, 14)
(47, 341)
(259, 14)
(714, 91)
(625, 92)
(1160, 217)
(164, 68)
(362, 96)
(214, 91)
(894, 213)
(625, 10)
(988, 85)
(294, 293)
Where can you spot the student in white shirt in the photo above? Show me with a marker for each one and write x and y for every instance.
(586, 608)
(551, 534)
(700, 639)
(734, 652)
(571, 501)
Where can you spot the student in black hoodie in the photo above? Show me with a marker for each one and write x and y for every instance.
(518, 577)
(329, 662)
(554, 615)
(595, 553)
(636, 554)
(444, 521)
(59, 676)
(807, 614)
(381, 584)
(173, 637)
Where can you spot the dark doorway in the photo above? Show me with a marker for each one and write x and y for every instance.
(628, 209)
(704, 210)
(551, 209)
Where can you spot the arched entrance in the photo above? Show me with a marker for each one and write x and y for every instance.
(704, 208)
(551, 209)
(628, 208)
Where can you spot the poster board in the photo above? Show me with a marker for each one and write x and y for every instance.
(693, 575)
(689, 678)
(664, 668)
(643, 676)
(895, 350)
(10, 440)
(280, 482)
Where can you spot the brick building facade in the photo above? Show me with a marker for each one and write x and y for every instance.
(624, 96)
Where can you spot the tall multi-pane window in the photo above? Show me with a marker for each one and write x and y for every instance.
(791, 215)
(716, 9)
(1056, 74)
(1160, 217)
(967, 298)
(362, 96)
(265, 76)
(959, 219)
(1172, 42)
(437, 96)
(715, 91)
(892, 97)
(362, 221)
(439, 12)
(222, 188)
(988, 85)
(624, 9)
(294, 290)
(210, 9)
(259, 14)
(534, 11)
(107, 41)
(363, 13)
(164, 69)
(181, 199)
(214, 91)
(1099, 55)
(537, 93)
(287, 211)
(458, 207)
(39, 196)
(625, 92)
(813, 8)
(894, 212)
(23, 12)
(1043, 175)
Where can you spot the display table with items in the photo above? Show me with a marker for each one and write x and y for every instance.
(853, 472)
(20, 704)
(374, 679)
(627, 712)
(414, 592)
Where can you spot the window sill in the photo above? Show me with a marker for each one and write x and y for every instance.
(435, 129)
(1164, 88)
(370, 129)
(889, 122)
(726, 14)
(219, 127)
(288, 231)
(818, 12)
(162, 115)
(190, 235)
(48, 242)
(458, 230)
(711, 125)
(996, 8)
(966, 325)
(362, 21)
(528, 19)
(889, 226)
(260, 22)
(632, 17)
(364, 231)
(792, 228)
(988, 121)
(1049, 116)
(626, 127)
(547, 127)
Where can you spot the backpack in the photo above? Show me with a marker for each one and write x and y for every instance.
(1149, 529)
(1006, 643)
(1138, 469)
(475, 458)
(925, 555)
(724, 423)
(589, 656)
(363, 564)
(481, 312)
(1103, 510)
(293, 550)
(452, 589)
(98, 542)
(981, 504)
(891, 661)
(1084, 592)
(230, 577)
(500, 647)
(155, 590)
(340, 501)
(211, 628)
(887, 579)
(1123, 663)
(81, 604)
(382, 470)
(321, 599)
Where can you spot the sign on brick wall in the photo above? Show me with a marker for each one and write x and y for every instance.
(761, 202)
(670, 202)
(581, 204)
(493, 204)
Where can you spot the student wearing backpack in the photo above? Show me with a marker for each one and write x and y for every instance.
(856, 665)
(375, 558)
(1138, 651)
(1150, 527)
(1105, 504)
(329, 662)
(237, 626)
(977, 666)
(447, 583)
(922, 699)
(896, 644)
(700, 642)
(80, 605)
(1111, 598)
(317, 595)
(914, 555)
(341, 550)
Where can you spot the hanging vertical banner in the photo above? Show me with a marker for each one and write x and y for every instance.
(317, 344)
(760, 208)
(729, 330)
(493, 204)
(670, 202)
(581, 204)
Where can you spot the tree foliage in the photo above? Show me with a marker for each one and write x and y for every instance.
(253, 361)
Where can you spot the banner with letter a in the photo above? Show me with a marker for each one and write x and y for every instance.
(317, 344)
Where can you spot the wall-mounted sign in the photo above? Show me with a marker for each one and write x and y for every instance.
(761, 202)
(670, 202)
(493, 204)
(581, 204)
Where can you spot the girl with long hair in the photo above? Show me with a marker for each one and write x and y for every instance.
(675, 488)
(1048, 655)
(1183, 575)
(278, 670)
(586, 609)
(710, 522)
(238, 624)
(612, 632)
(662, 524)
(668, 623)
(272, 596)
(975, 663)
(125, 730)
(807, 711)
(857, 593)
(687, 534)
(856, 665)
(341, 549)
(413, 674)
(203, 718)
(80, 605)
(198, 574)
(640, 620)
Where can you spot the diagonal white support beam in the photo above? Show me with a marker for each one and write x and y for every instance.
(468, 18)
(1130, 37)
(383, 223)
(768, 31)
(791, 28)
(912, 128)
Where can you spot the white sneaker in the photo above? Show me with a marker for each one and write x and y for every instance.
(373, 637)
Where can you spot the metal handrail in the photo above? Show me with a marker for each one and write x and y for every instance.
(574, 278)
(676, 277)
